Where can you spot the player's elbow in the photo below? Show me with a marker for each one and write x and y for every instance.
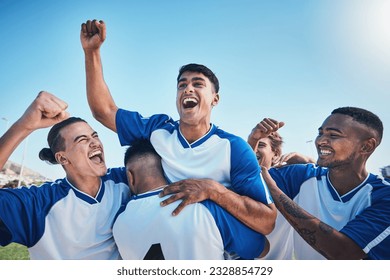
(105, 115)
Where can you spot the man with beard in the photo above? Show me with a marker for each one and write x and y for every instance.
(338, 210)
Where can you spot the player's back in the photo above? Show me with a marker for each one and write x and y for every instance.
(145, 230)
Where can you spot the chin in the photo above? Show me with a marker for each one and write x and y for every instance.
(102, 171)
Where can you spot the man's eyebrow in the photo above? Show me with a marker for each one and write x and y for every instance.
(197, 79)
(81, 136)
(193, 79)
(78, 137)
(331, 129)
(182, 80)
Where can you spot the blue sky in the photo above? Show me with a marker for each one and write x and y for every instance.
(294, 61)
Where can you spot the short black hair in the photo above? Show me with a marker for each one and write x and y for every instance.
(55, 140)
(363, 116)
(199, 68)
(139, 148)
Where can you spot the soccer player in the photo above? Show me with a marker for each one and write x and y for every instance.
(202, 231)
(69, 218)
(338, 210)
(191, 147)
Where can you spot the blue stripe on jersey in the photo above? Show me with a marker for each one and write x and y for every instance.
(237, 237)
(290, 178)
(86, 197)
(141, 127)
(365, 209)
(23, 211)
(237, 166)
(371, 228)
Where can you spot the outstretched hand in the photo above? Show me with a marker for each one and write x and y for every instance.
(45, 111)
(93, 34)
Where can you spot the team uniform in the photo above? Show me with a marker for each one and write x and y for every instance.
(57, 221)
(363, 214)
(218, 155)
(202, 231)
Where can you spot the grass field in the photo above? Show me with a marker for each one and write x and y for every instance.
(14, 251)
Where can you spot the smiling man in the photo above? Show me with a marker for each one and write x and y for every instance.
(70, 218)
(191, 148)
(338, 210)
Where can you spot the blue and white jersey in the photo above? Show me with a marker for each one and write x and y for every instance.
(57, 221)
(363, 214)
(218, 155)
(202, 231)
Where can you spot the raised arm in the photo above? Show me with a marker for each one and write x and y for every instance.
(326, 240)
(101, 103)
(46, 110)
(262, 130)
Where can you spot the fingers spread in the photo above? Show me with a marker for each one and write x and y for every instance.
(169, 200)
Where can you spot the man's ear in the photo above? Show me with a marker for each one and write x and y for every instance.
(215, 99)
(130, 181)
(369, 146)
(130, 178)
(61, 158)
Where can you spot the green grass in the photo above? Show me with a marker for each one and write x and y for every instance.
(14, 251)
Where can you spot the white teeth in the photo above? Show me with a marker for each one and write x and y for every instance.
(95, 153)
(189, 99)
(325, 152)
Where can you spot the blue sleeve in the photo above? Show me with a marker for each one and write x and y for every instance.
(131, 126)
(245, 170)
(23, 212)
(237, 238)
(290, 178)
(371, 228)
(118, 175)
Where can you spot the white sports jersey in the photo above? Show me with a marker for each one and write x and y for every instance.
(218, 155)
(57, 221)
(202, 231)
(363, 214)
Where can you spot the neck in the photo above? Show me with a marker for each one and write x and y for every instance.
(88, 185)
(193, 133)
(149, 185)
(346, 180)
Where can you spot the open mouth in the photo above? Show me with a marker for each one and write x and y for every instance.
(96, 157)
(189, 102)
(324, 152)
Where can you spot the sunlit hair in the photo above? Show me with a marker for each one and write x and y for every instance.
(276, 143)
(56, 141)
(363, 116)
(198, 68)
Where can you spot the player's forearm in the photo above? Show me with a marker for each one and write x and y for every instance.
(253, 142)
(99, 97)
(254, 214)
(326, 240)
(11, 140)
